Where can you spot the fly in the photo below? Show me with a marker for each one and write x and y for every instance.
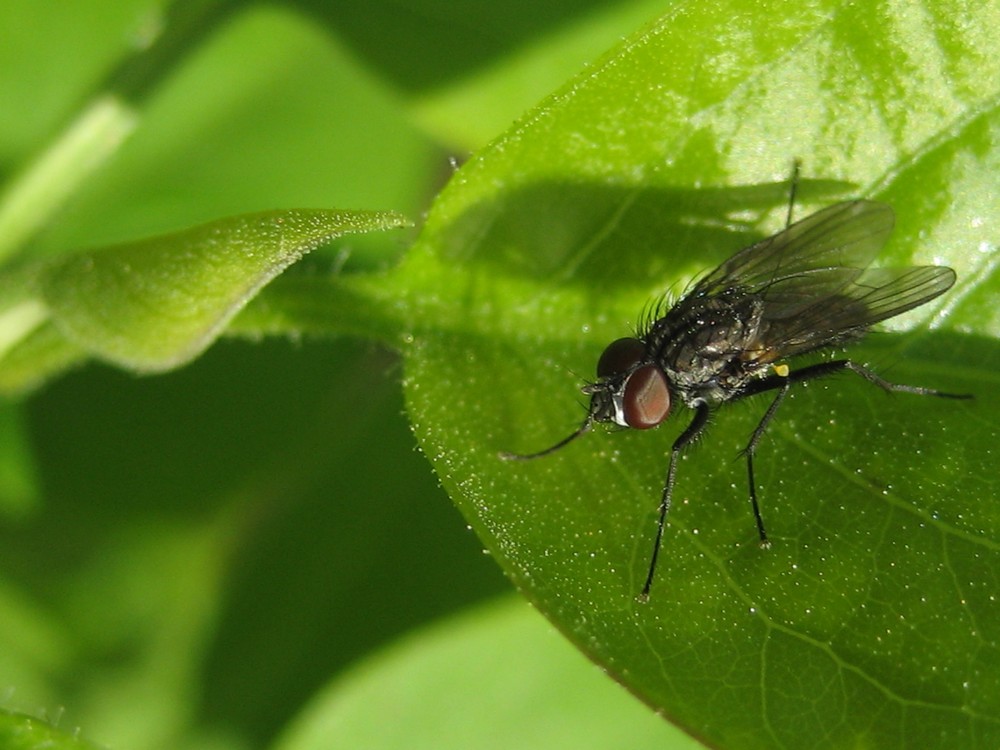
(807, 288)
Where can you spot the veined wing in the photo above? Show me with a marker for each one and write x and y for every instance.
(814, 282)
(875, 295)
(813, 257)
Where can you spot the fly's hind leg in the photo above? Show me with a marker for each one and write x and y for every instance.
(751, 448)
(782, 384)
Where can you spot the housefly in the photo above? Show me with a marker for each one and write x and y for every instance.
(807, 288)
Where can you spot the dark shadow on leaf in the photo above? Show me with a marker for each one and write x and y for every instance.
(426, 45)
(613, 238)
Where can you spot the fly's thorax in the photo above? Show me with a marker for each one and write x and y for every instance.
(705, 355)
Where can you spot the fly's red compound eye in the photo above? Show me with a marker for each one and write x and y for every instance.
(620, 356)
(646, 400)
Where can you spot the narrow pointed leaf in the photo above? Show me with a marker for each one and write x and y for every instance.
(155, 304)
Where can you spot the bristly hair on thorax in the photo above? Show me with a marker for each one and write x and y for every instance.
(654, 309)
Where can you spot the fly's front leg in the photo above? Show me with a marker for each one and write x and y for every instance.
(688, 436)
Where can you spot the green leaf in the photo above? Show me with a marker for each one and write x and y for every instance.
(873, 620)
(486, 96)
(532, 677)
(156, 304)
(19, 732)
(18, 481)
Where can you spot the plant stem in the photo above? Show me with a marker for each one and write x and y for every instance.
(106, 120)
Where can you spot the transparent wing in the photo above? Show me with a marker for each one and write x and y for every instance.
(813, 257)
(814, 282)
(875, 295)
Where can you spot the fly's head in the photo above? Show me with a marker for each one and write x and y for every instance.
(632, 390)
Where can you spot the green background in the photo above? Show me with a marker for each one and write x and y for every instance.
(188, 559)
(209, 558)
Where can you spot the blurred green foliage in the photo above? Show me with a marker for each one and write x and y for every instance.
(187, 560)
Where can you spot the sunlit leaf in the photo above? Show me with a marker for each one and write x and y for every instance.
(872, 620)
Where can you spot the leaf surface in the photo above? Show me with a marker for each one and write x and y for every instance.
(155, 304)
(872, 621)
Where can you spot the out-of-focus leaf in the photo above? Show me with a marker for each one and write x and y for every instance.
(155, 304)
(19, 732)
(532, 691)
(18, 483)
